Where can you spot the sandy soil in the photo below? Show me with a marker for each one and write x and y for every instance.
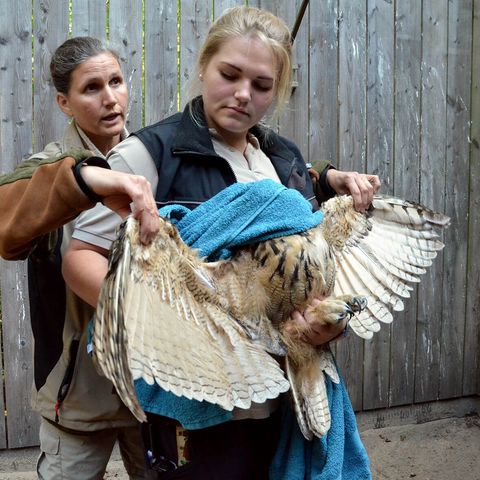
(441, 450)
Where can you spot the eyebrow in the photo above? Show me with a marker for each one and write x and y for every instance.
(239, 70)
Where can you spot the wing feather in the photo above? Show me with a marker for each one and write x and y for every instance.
(159, 318)
(380, 253)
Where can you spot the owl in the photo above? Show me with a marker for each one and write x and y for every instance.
(222, 331)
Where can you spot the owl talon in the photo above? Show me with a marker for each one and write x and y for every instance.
(359, 304)
(348, 312)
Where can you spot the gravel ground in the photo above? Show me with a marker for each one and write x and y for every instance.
(441, 450)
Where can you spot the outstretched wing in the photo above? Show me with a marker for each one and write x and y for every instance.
(381, 254)
(159, 318)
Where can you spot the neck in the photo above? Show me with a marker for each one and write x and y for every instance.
(105, 145)
(238, 142)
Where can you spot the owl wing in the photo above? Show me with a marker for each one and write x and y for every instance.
(387, 249)
(159, 319)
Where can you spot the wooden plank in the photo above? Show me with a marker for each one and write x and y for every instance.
(89, 18)
(323, 97)
(196, 18)
(380, 121)
(22, 422)
(452, 342)
(219, 6)
(161, 75)
(420, 413)
(406, 182)
(432, 187)
(471, 376)
(352, 150)
(125, 27)
(16, 141)
(51, 29)
(293, 123)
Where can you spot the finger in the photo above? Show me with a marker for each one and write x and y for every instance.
(375, 182)
(149, 224)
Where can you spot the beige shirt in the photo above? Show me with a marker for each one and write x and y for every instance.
(251, 166)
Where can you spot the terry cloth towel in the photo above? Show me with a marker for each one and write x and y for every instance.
(339, 455)
(240, 214)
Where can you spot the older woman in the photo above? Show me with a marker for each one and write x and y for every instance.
(81, 416)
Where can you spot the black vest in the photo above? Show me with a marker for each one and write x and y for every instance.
(191, 172)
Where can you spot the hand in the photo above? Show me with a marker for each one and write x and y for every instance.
(118, 190)
(360, 186)
(313, 330)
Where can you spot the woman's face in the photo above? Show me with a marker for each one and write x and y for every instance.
(238, 87)
(97, 100)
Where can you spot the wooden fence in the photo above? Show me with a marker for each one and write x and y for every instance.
(384, 86)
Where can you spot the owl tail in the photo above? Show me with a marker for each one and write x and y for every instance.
(309, 391)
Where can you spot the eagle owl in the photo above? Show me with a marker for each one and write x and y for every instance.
(207, 330)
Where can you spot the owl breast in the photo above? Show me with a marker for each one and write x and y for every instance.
(293, 270)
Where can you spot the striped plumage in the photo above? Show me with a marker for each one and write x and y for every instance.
(206, 330)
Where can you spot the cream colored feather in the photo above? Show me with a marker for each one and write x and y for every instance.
(205, 331)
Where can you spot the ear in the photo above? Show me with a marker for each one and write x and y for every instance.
(64, 104)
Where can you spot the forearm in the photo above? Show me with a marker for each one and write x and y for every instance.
(36, 199)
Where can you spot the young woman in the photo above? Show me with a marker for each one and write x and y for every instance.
(81, 417)
(244, 70)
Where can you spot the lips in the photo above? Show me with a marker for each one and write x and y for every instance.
(239, 110)
(111, 118)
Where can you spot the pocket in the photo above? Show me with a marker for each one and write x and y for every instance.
(49, 439)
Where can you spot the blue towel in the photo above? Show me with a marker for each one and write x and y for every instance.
(339, 455)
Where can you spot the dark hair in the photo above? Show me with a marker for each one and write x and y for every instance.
(72, 53)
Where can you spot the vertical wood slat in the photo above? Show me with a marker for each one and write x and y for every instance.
(196, 18)
(379, 117)
(405, 183)
(16, 143)
(125, 27)
(50, 30)
(471, 377)
(161, 85)
(456, 197)
(432, 187)
(89, 18)
(352, 150)
(293, 123)
(219, 6)
(323, 81)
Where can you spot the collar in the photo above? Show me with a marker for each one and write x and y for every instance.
(193, 135)
(75, 138)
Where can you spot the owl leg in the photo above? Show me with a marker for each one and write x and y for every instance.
(333, 310)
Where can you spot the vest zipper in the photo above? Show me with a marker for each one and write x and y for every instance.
(67, 378)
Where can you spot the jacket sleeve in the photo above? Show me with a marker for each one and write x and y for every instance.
(37, 198)
(323, 191)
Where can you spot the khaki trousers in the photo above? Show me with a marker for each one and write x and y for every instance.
(73, 455)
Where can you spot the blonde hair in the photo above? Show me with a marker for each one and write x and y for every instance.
(269, 29)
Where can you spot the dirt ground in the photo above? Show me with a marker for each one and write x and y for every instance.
(441, 450)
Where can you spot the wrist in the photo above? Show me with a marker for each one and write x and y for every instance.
(83, 185)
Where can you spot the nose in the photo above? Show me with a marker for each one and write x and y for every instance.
(109, 97)
(243, 92)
